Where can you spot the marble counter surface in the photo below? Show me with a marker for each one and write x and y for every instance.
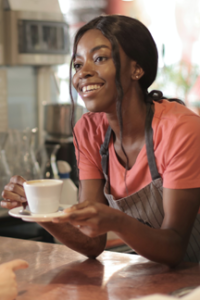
(57, 272)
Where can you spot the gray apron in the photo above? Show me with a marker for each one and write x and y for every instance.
(146, 205)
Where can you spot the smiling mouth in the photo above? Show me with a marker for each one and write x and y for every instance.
(91, 87)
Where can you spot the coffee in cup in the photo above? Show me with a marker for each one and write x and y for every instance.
(43, 195)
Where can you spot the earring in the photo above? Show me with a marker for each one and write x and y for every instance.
(137, 76)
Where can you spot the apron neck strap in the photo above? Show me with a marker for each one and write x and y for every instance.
(104, 151)
(149, 143)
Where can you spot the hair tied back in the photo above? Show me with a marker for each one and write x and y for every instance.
(156, 95)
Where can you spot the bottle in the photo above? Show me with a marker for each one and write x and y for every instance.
(69, 194)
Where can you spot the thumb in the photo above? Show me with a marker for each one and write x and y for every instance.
(17, 179)
(16, 264)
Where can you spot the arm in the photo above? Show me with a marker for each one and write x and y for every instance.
(70, 235)
(67, 231)
(166, 245)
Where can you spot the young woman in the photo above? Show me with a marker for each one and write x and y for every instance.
(137, 153)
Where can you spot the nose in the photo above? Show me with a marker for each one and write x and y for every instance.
(86, 70)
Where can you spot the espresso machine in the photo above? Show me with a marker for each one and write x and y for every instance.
(59, 139)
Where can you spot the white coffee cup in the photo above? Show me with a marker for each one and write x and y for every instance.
(43, 195)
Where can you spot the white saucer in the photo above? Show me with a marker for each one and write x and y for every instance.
(37, 217)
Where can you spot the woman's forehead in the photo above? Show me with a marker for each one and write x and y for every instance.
(91, 39)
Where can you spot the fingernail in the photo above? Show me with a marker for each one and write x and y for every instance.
(66, 212)
(55, 220)
(14, 203)
(18, 197)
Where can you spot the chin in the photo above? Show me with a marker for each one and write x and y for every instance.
(100, 106)
(94, 108)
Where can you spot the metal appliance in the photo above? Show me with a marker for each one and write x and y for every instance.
(57, 118)
(34, 37)
(59, 138)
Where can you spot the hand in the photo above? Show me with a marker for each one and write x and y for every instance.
(8, 285)
(13, 193)
(92, 219)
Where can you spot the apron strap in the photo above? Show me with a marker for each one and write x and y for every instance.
(149, 143)
(104, 151)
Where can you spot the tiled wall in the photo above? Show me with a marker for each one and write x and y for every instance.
(22, 96)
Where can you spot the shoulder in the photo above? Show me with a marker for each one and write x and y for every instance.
(176, 134)
(173, 111)
(177, 143)
(172, 117)
(92, 126)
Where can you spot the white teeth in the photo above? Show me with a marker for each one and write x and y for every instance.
(90, 87)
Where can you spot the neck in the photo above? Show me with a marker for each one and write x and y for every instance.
(133, 114)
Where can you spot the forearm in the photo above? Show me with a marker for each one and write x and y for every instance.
(76, 240)
(159, 245)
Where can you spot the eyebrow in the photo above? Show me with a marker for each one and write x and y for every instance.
(93, 50)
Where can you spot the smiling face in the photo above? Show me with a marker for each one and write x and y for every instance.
(94, 79)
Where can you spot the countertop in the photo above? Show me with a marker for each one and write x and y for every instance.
(57, 272)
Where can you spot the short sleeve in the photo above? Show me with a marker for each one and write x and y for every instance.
(182, 155)
(87, 150)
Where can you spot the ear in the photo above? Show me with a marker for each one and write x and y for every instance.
(136, 71)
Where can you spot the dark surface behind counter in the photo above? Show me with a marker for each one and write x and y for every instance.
(17, 228)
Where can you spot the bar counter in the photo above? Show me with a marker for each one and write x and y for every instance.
(57, 272)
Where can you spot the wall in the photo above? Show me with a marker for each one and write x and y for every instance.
(21, 95)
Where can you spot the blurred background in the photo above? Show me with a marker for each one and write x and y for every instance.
(36, 38)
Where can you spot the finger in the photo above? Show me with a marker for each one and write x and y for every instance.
(78, 206)
(10, 204)
(84, 214)
(17, 180)
(78, 215)
(12, 200)
(62, 219)
(16, 264)
(14, 192)
(80, 224)
(91, 222)
(15, 188)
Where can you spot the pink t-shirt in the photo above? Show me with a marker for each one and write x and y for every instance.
(176, 141)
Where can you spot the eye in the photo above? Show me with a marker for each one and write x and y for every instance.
(77, 66)
(100, 59)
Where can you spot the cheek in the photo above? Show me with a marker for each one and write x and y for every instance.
(74, 81)
(109, 77)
